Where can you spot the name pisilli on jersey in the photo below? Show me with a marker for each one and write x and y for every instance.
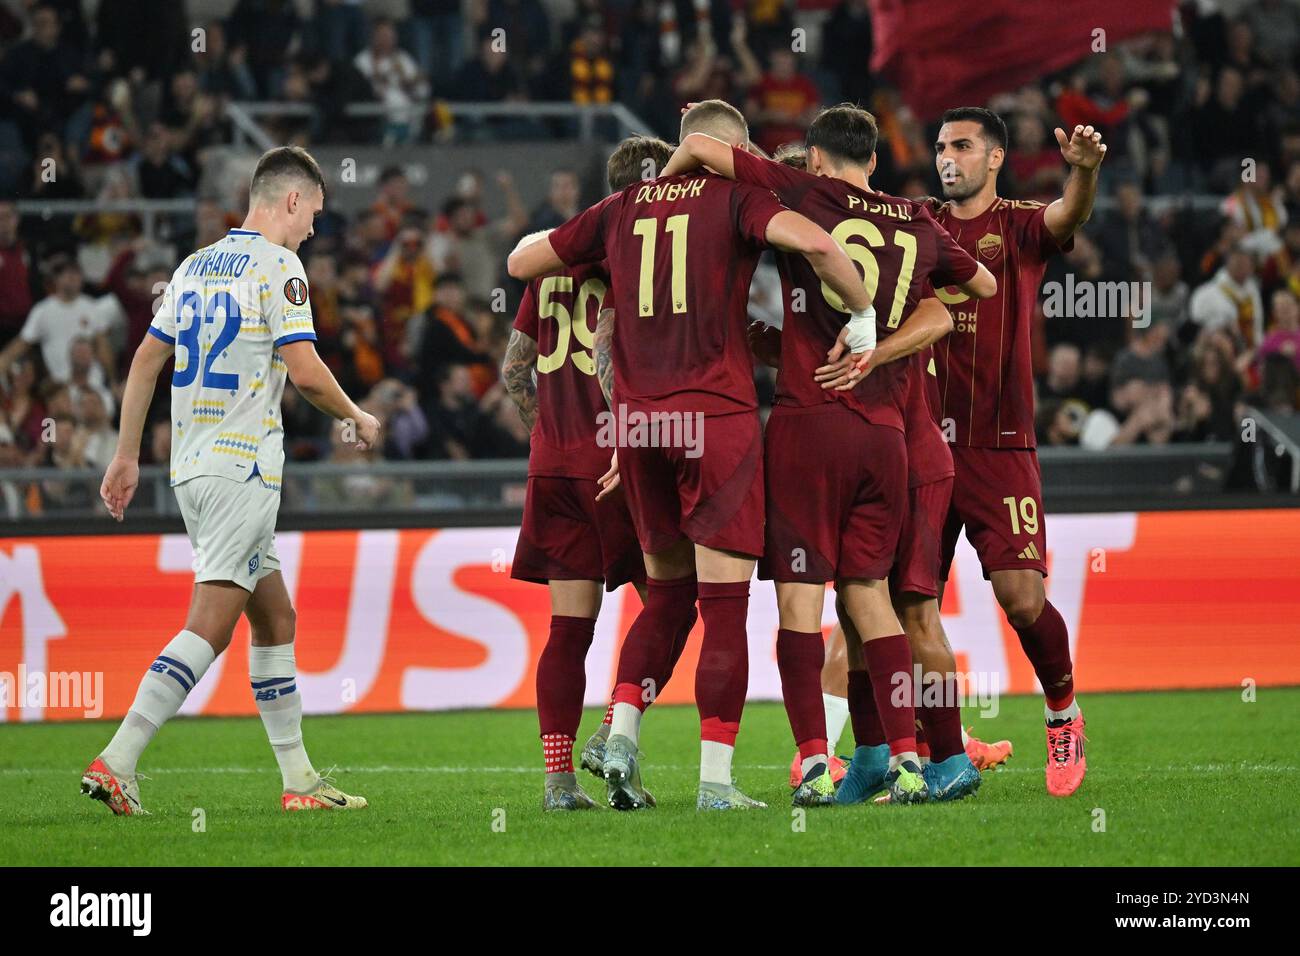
(227, 310)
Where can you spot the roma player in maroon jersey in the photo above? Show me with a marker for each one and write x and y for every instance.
(681, 253)
(841, 521)
(987, 399)
(569, 540)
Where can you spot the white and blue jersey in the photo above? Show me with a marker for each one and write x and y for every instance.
(227, 310)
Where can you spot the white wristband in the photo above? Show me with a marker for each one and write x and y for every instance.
(862, 331)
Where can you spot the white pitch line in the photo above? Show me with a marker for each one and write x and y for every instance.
(1174, 768)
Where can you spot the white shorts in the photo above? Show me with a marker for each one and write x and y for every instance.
(231, 525)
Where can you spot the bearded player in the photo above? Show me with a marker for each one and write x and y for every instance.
(573, 539)
(987, 399)
(841, 520)
(682, 251)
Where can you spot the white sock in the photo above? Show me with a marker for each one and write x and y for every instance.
(808, 763)
(163, 689)
(1069, 713)
(715, 762)
(837, 715)
(627, 721)
(274, 677)
(896, 759)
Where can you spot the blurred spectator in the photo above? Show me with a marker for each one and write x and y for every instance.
(266, 31)
(43, 76)
(359, 489)
(782, 103)
(436, 37)
(54, 322)
(393, 202)
(846, 45)
(94, 440)
(161, 171)
(1129, 236)
(396, 81)
(590, 69)
(1035, 164)
(1207, 405)
(22, 412)
(1231, 300)
(1170, 295)
(561, 201)
(448, 338)
(490, 76)
(1283, 337)
(404, 281)
(15, 275)
(1141, 389)
(476, 249)
(223, 72)
(397, 406)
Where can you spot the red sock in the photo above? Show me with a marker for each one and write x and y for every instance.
(679, 645)
(557, 750)
(722, 675)
(609, 711)
(942, 724)
(867, 729)
(799, 658)
(647, 653)
(562, 675)
(887, 657)
(1046, 643)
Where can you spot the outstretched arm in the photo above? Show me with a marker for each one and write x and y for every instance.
(1084, 151)
(123, 473)
(518, 373)
(533, 259)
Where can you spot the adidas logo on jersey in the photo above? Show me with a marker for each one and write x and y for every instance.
(1030, 553)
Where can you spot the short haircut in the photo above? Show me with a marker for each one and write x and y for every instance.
(717, 118)
(282, 168)
(846, 133)
(792, 154)
(633, 158)
(995, 130)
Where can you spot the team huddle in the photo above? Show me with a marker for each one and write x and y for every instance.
(903, 414)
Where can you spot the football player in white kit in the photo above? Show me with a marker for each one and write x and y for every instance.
(236, 314)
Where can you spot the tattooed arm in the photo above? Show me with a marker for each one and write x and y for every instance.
(518, 374)
(603, 349)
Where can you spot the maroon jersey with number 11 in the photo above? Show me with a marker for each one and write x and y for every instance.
(681, 253)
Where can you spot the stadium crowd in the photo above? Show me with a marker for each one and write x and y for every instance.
(1201, 198)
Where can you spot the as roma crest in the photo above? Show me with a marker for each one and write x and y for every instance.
(295, 290)
(989, 246)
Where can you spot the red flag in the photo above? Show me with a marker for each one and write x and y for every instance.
(946, 53)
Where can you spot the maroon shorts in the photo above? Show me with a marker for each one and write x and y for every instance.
(567, 535)
(711, 494)
(997, 495)
(916, 566)
(836, 495)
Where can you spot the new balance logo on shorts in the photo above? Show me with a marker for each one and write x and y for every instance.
(273, 688)
(1030, 553)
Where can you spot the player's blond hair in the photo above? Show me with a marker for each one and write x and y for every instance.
(719, 119)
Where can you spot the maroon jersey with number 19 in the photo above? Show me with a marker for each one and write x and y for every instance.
(681, 253)
(986, 381)
(559, 313)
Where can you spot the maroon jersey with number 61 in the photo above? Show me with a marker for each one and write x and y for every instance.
(559, 312)
(898, 246)
(681, 252)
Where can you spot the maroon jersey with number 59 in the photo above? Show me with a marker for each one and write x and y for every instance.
(559, 312)
(681, 252)
(899, 248)
(986, 381)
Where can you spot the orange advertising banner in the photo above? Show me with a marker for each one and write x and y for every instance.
(430, 619)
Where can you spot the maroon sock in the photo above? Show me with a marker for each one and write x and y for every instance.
(722, 674)
(647, 651)
(799, 658)
(867, 729)
(886, 658)
(562, 675)
(1047, 645)
(941, 724)
(679, 645)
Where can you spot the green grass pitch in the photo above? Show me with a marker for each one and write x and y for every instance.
(1188, 778)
